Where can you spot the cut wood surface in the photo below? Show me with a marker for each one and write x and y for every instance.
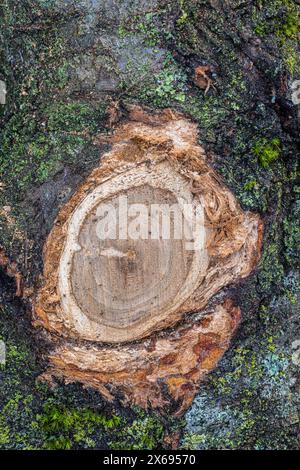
(126, 286)
(121, 289)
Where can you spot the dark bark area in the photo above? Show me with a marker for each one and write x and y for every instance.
(73, 70)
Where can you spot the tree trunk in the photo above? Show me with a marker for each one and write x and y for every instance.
(158, 102)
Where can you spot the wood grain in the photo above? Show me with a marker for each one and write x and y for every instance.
(129, 292)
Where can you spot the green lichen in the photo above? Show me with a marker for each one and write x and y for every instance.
(292, 231)
(291, 27)
(166, 88)
(65, 427)
(267, 151)
(148, 28)
(252, 184)
(184, 16)
(76, 117)
(146, 25)
(34, 416)
(36, 142)
(170, 85)
(280, 19)
(144, 433)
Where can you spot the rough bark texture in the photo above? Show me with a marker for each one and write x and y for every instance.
(73, 71)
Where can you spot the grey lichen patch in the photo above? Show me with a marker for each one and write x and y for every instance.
(253, 402)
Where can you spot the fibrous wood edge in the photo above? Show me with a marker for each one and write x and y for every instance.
(234, 240)
(157, 372)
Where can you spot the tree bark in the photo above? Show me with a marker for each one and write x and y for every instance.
(119, 92)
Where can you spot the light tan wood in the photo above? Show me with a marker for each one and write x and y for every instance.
(145, 297)
(121, 282)
(119, 289)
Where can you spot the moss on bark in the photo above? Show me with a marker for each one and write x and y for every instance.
(72, 69)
